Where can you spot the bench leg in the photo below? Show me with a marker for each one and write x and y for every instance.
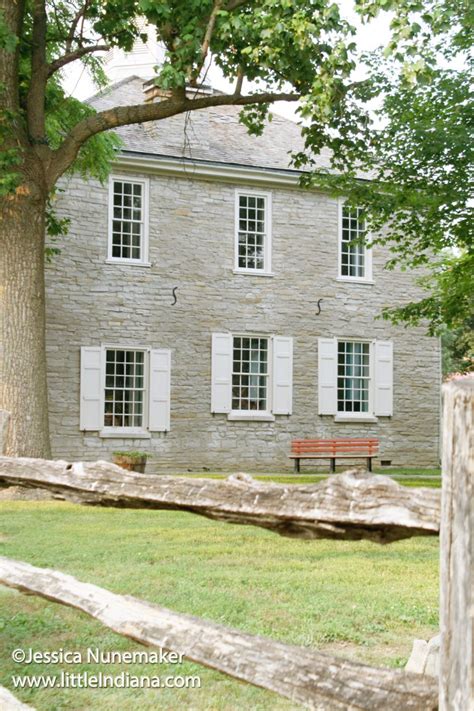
(333, 466)
(297, 466)
(369, 464)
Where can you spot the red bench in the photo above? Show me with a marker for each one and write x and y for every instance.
(333, 449)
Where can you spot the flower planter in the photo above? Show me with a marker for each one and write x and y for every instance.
(133, 462)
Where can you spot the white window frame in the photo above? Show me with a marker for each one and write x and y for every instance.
(342, 416)
(267, 249)
(368, 276)
(124, 432)
(265, 415)
(143, 261)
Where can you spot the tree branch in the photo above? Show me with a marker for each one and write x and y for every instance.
(142, 113)
(234, 4)
(72, 56)
(239, 82)
(36, 93)
(70, 39)
(207, 36)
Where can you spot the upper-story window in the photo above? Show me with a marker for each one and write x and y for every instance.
(355, 259)
(253, 232)
(128, 220)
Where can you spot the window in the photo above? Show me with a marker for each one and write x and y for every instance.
(250, 374)
(355, 258)
(353, 376)
(125, 391)
(253, 232)
(128, 220)
(124, 388)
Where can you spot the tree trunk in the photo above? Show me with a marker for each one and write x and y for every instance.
(23, 384)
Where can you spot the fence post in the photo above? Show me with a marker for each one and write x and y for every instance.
(457, 549)
(4, 418)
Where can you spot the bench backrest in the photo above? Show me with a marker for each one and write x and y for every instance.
(362, 446)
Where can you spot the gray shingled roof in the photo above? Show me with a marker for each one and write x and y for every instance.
(213, 134)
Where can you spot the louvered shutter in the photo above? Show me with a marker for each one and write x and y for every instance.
(221, 389)
(91, 416)
(327, 376)
(282, 375)
(160, 386)
(383, 377)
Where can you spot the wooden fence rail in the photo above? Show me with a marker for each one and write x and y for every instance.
(352, 506)
(316, 680)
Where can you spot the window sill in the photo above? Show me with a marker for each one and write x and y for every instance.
(128, 262)
(355, 280)
(254, 272)
(243, 417)
(124, 434)
(356, 418)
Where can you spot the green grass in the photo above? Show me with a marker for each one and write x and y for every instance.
(356, 599)
(408, 477)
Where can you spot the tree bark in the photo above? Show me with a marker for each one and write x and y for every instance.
(23, 384)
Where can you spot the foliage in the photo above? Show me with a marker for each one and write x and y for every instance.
(131, 454)
(418, 199)
(458, 348)
(417, 150)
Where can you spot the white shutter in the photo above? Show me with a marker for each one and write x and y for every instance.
(282, 375)
(91, 416)
(327, 376)
(159, 399)
(221, 389)
(383, 377)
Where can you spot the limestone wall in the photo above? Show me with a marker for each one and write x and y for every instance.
(91, 302)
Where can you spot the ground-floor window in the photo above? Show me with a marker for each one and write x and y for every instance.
(124, 388)
(353, 376)
(250, 374)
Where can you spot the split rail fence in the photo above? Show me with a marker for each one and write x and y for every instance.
(353, 506)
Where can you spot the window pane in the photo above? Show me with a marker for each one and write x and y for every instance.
(252, 232)
(124, 393)
(128, 218)
(353, 376)
(249, 374)
(352, 250)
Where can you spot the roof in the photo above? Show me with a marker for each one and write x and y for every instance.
(212, 134)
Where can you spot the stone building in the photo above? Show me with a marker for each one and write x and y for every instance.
(208, 310)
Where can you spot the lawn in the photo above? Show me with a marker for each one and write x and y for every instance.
(358, 600)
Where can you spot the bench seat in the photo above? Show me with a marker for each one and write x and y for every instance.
(332, 449)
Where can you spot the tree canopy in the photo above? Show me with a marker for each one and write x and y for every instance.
(418, 153)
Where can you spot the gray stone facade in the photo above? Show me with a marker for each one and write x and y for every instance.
(191, 246)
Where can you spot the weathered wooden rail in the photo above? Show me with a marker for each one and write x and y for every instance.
(317, 680)
(351, 506)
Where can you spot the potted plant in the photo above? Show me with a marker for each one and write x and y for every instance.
(131, 460)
